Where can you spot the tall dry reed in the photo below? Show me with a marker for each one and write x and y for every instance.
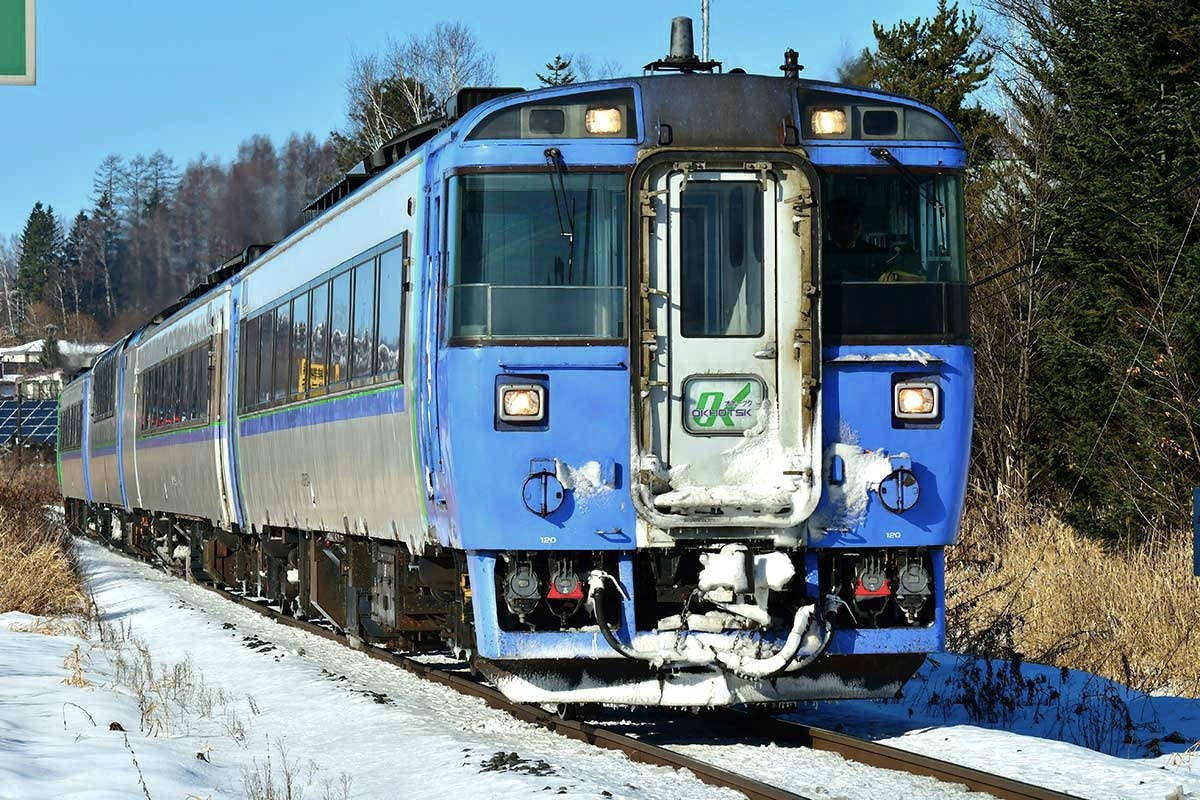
(1024, 583)
(38, 573)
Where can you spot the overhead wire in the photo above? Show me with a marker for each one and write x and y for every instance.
(1141, 345)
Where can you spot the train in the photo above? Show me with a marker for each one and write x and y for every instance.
(648, 391)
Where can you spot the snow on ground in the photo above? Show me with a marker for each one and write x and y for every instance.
(1067, 730)
(207, 691)
(268, 690)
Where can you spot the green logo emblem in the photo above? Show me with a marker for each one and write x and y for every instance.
(712, 406)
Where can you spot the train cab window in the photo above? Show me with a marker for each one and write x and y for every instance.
(283, 351)
(298, 367)
(318, 360)
(363, 340)
(888, 227)
(339, 330)
(721, 245)
(537, 256)
(893, 256)
(266, 349)
(391, 312)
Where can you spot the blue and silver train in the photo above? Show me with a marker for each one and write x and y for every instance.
(648, 391)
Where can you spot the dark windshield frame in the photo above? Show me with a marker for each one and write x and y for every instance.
(894, 249)
(452, 244)
(896, 309)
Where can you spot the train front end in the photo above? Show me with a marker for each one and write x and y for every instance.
(705, 388)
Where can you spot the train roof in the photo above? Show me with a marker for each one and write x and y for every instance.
(473, 104)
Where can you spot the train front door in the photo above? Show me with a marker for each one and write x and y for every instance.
(729, 413)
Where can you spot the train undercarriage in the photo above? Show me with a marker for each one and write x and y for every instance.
(692, 627)
(373, 592)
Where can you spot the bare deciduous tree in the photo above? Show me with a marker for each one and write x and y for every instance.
(588, 69)
(10, 254)
(373, 119)
(406, 85)
(432, 68)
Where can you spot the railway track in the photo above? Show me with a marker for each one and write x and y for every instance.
(639, 748)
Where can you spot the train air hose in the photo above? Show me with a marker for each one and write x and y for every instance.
(782, 661)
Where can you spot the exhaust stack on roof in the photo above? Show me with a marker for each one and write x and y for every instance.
(683, 52)
(683, 46)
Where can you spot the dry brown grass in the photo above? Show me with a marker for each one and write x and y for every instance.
(1020, 583)
(38, 573)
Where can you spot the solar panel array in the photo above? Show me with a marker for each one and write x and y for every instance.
(37, 420)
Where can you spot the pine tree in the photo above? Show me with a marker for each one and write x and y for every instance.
(856, 69)
(76, 265)
(106, 246)
(939, 61)
(1109, 90)
(38, 271)
(558, 72)
(51, 356)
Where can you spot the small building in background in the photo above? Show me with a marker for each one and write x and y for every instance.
(29, 390)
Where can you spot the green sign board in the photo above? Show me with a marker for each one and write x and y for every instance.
(16, 41)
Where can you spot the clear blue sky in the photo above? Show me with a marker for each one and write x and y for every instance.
(134, 76)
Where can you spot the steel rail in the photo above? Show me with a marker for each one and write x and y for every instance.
(634, 749)
(849, 747)
(885, 756)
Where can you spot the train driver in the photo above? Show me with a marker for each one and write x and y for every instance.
(850, 256)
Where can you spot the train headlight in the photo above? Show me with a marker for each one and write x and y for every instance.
(606, 121)
(916, 400)
(828, 121)
(523, 403)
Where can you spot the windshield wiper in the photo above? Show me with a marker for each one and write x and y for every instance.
(565, 210)
(883, 154)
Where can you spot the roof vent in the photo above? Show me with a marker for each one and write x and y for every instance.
(471, 96)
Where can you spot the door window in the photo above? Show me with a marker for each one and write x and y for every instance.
(721, 259)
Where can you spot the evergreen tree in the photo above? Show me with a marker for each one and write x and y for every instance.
(75, 262)
(106, 247)
(856, 70)
(558, 72)
(51, 356)
(1115, 378)
(38, 271)
(939, 61)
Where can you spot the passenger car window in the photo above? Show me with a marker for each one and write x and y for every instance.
(297, 372)
(317, 367)
(266, 349)
(249, 365)
(283, 351)
(364, 319)
(339, 330)
(391, 312)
